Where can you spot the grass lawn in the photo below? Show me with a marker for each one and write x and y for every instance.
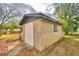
(74, 33)
(71, 38)
(9, 36)
(68, 46)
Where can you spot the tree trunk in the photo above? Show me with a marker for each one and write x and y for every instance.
(1, 29)
(0, 32)
(66, 33)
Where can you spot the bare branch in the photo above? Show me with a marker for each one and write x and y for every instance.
(5, 14)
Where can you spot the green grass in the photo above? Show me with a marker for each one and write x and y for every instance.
(69, 37)
(9, 36)
(74, 33)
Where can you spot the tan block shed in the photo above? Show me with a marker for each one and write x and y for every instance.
(40, 30)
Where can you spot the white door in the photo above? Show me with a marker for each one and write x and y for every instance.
(28, 32)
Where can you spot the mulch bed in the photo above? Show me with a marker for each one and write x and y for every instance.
(28, 52)
(3, 47)
(12, 40)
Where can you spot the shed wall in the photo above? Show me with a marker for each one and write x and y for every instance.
(37, 27)
(28, 33)
(44, 34)
(48, 35)
(40, 33)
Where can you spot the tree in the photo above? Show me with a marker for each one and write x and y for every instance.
(11, 25)
(67, 13)
(5, 15)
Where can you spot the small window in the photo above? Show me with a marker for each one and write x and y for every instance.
(55, 28)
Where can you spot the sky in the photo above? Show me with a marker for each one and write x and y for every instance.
(19, 9)
(41, 7)
(40, 1)
(38, 6)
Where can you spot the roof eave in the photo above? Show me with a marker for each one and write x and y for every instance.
(39, 15)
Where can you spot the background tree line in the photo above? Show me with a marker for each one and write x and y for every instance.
(7, 19)
(68, 14)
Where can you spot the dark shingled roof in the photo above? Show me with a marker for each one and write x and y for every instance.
(42, 15)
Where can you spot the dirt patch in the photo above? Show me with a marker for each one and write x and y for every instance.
(3, 47)
(63, 48)
(28, 52)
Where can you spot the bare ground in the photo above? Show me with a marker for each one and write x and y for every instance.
(64, 47)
